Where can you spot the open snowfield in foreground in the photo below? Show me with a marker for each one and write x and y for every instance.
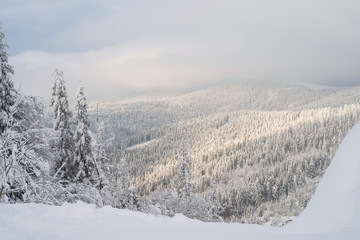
(82, 221)
(332, 213)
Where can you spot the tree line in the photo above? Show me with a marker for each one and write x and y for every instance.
(68, 162)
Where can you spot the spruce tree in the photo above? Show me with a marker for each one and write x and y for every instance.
(99, 151)
(183, 183)
(83, 153)
(64, 166)
(214, 208)
(131, 199)
(100, 157)
(7, 91)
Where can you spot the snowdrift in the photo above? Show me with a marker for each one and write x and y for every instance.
(335, 206)
(332, 213)
(84, 221)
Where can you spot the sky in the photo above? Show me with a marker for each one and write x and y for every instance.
(122, 48)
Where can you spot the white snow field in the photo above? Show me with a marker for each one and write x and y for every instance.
(332, 213)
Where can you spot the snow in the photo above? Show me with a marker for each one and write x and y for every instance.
(335, 205)
(332, 213)
(84, 221)
(143, 145)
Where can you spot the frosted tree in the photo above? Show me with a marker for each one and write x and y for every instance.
(64, 167)
(161, 202)
(120, 183)
(7, 91)
(114, 191)
(99, 149)
(100, 157)
(131, 199)
(183, 183)
(23, 147)
(184, 186)
(21, 166)
(214, 209)
(83, 153)
(118, 192)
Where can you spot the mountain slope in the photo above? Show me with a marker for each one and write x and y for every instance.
(265, 146)
(333, 213)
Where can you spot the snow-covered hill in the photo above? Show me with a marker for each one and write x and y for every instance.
(265, 146)
(333, 213)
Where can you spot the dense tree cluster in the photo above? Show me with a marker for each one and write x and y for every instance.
(234, 152)
(62, 117)
(183, 197)
(68, 162)
(52, 165)
(265, 147)
(22, 149)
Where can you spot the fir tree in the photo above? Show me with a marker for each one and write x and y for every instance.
(21, 167)
(100, 157)
(83, 153)
(7, 91)
(99, 150)
(214, 209)
(120, 183)
(161, 201)
(131, 200)
(183, 183)
(23, 147)
(64, 166)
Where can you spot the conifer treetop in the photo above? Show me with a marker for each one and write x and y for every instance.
(7, 91)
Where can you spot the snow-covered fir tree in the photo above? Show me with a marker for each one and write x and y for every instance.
(83, 158)
(100, 159)
(120, 183)
(21, 167)
(183, 183)
(161, 202)
(99, 150)
(64, 166)
(214, 209)
(7, 91)
(23, 147)
(190, 203)
(131, 200)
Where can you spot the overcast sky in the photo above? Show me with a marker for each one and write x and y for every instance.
(126, 47)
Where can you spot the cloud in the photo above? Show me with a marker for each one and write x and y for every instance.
(124, 69)
(122, 48)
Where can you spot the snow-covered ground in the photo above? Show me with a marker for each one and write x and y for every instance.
(332, 213)
(335, 205)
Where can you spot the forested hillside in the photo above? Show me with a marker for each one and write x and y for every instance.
(236, 152)
(265, 147)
